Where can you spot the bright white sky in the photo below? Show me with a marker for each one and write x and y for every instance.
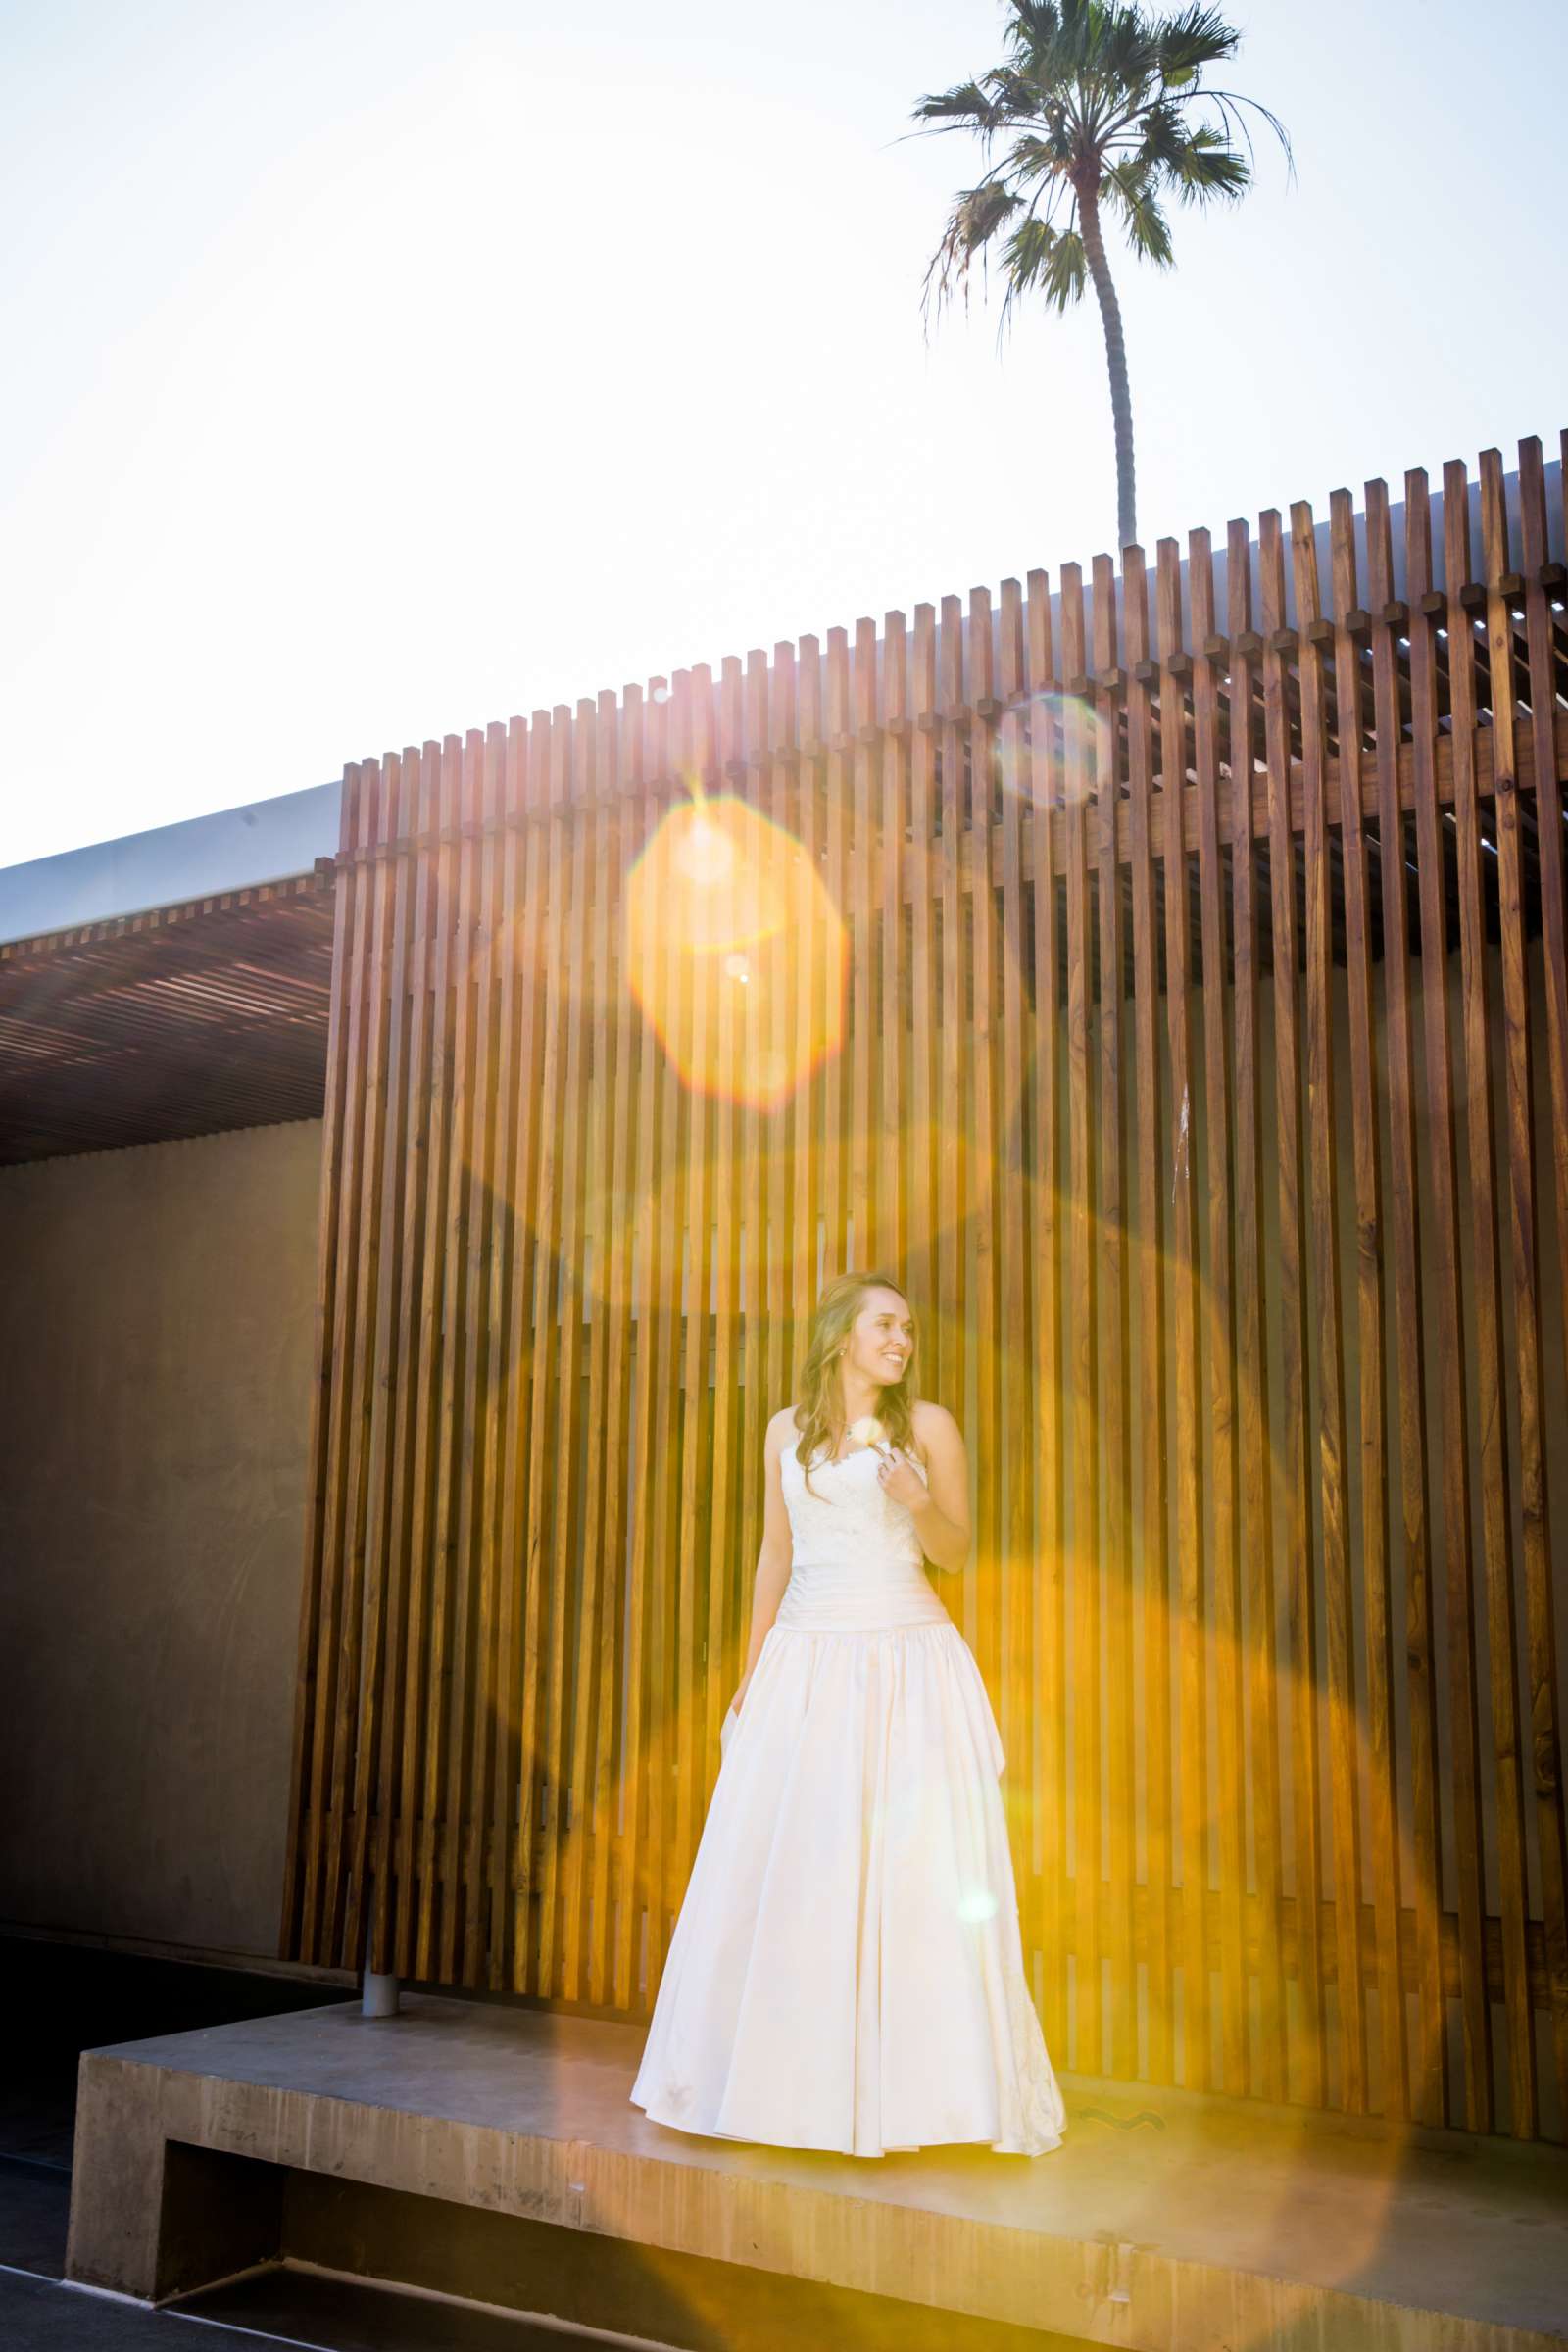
(378, 371)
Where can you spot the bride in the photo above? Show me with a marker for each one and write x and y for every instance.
(847, 1970)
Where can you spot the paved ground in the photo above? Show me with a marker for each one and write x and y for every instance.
(62, 2001)
(285, 2307)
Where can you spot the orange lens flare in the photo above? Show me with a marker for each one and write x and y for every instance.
(735, 952)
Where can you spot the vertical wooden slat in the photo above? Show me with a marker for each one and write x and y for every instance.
(730, 1582)
(548, 764)
(562, 1326)
(1546, 1732)
(351, 1761)
(1272, 2074)
(593, 1649)
(984, 1313)
(729, 1575)
(662, 1342)
(925, 1041)
(759, 1404)
(862, 731)
(1153, 1530)
(416, 1812)
(612, 1844)
(1187, 1465)
(398, 1366)
(315, 1686)
(490, 1794)
(1291, 1443)
(437, 1345)
(345, 1855)
(347, 1492)
(790, 1114)
(452, 1484)
(834, 1109)
(1524, 1233)
(385, 1549)
(1115, 1441)
(1083, 1350)
(1217, 1329)
(783, 1109)
(893, 1063)
(1050, 1773)
(1441, 1163)
(1382, 1765)
(474, 1532)
(1017, 1303)
(523, 1030)
(1322, 1134)
(952, 1157)
(1430, 2096)
(691, 1781)
(374, 1352)
(818, 973)
(482, 1372)
(632, 1879)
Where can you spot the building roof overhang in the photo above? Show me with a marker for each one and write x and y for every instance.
(183, 1021)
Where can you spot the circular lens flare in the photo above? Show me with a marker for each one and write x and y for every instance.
(1054, 748)
(735, 951)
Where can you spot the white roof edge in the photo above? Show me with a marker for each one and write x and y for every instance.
(228, 848)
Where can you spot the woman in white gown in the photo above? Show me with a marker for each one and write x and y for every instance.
(846, 1971)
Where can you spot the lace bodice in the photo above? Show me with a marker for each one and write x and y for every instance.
(844, 1515)
(857, 1562)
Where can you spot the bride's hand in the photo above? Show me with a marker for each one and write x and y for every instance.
(901, 1482)
(740, 1690)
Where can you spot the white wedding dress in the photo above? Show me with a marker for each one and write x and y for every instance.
(846, 1971)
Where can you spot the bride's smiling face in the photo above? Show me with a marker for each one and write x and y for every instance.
(881, 1338)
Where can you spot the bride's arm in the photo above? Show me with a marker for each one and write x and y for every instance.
(777, 1554)
(942, 1520)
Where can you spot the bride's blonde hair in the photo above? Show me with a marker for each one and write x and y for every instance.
(819, 1410)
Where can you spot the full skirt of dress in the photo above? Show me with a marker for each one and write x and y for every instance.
(846, 1971)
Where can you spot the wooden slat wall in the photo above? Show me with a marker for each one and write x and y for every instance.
(1168, 977)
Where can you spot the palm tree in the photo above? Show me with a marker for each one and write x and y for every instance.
(1095, 100)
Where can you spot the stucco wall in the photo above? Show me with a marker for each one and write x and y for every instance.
(156, 1318)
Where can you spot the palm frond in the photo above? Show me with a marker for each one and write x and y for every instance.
(1022, 99)
(1037, 28)
(1165, 135)
(1031, 157)
(1129, 190)
(1230, 102)
(1127, 51)
(974, 221)
(1053, 261)
(1208, 164)
(966, 107)
(1188, 43)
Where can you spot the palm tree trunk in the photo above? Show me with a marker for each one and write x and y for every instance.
(1117, 359)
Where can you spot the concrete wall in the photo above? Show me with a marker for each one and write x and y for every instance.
(156, 1331)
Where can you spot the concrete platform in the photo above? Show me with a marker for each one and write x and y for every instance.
(1166, 2221)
